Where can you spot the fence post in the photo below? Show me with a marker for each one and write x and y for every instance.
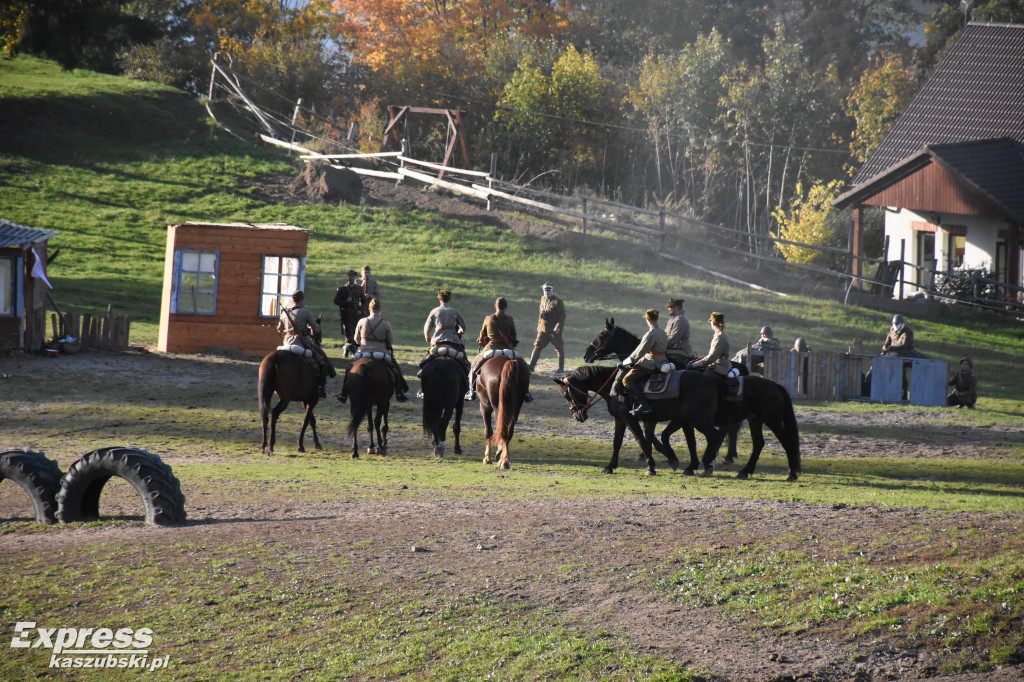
(661, 225)
(903, 253)
(490, 180)
(584, 215)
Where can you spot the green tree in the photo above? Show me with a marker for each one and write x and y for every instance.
(877, 100)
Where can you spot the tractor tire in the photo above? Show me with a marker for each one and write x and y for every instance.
(40, 478)
(80, 489)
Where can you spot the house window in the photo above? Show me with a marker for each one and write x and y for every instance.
(8, 286)
(925, 259)
(195, 282)
(955, 248)
(282, 276)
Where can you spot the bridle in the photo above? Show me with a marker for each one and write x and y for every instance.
(580, 412)
(599, 351)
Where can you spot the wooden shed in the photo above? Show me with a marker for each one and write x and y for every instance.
(23, 286)
(224, 284)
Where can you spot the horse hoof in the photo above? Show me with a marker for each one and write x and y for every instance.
(383, 452)
(487, 460)
(689, 471)
(728, 460)
(302, 449)
(792, 477)
(674, 465)
(743, 475)
(607, 470)
(317, 447)
(458, 450)
(355, 455)
(503, 465)
(652, 472)
(709, 470)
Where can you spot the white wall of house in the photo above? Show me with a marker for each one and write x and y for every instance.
(979, 249)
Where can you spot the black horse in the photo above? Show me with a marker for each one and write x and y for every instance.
(444, 383)
(370, 390)
(616, 342)
(699, 406)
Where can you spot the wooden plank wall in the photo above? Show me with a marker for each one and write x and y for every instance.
(108, 331)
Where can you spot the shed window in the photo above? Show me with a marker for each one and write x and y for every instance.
(8, 286)
(195, 282)
(282, 276)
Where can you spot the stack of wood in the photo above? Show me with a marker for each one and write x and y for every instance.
(73, 331)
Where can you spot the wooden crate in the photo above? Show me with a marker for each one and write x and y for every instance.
(810, 375)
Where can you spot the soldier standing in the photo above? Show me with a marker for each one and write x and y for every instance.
(677, 329)
(550, 326)
(351, 302)
(371, 289)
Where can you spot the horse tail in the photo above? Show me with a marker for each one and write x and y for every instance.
(791, 438)
(508, 399)
(268, 378)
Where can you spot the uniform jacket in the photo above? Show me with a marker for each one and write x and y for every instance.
(349, 298)
(443, 325)
(370, 287)
(374, 333)
(552, 314)
(899, 341)
(498, 332)
(292, 324)
(678, 332)
(651, 351)
(718, 356)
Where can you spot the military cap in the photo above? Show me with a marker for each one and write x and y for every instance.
(352, 273)
(675, 303)
(717, 318)
(547, 287)
(651, 314)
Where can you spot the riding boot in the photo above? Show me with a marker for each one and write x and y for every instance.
(528, 398)
(471, 393)
(561, 365)
(534, 357)
(321, 383)
(641, 405)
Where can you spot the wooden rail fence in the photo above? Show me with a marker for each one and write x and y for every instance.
(107, 331)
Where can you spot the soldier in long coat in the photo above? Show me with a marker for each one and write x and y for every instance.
(550, 325)
(497, 333)
(370, 287)
(350, 301)
(374, 334)
(717, 360)
(300, 328)
(445, 327)
(677, 329)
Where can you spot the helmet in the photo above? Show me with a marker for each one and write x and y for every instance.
(766, 331)
(897, 321)
(800, 345)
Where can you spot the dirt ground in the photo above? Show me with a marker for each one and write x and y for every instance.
(524, 546)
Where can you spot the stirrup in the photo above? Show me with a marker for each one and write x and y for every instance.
(470, 395)
(528, 398)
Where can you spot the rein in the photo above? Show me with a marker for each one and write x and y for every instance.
(579, 412)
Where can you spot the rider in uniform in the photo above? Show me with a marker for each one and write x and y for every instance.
(717, 359)
(642, 363)
(498, 333)
(350, 301)
(444, 327)
(550, 326)
(677, 329)
(370, 287)
(299, 328)
(374, 334)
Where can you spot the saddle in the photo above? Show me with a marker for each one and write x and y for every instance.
(508, 352)
(442, 351)
(663, 384)
(374, 355)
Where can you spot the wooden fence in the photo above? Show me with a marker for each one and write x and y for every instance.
(840, 376)
(107, 331)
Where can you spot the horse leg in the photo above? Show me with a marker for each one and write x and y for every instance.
(757, 436)
(274, 414)
(620, 432)
(714, 439)
(268, 448)
(371, 449)
(649, 426)
(665, 448)
(485, 410)
(457, 426)
(382, 434)
(308, 421)
(731, 436)
(691, 445)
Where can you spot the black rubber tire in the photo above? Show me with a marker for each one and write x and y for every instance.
(80, 489)
(38, 476)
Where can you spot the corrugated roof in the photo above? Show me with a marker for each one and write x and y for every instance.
(12, 234)
(976, 92)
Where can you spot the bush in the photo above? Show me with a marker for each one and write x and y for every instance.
(966, 283)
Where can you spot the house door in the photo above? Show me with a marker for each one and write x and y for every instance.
(925, 259)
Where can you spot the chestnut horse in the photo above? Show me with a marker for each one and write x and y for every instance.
(292, 378)
(501, 389)
(370, 386)
(443, 382)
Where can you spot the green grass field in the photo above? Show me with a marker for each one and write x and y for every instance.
(110, 162)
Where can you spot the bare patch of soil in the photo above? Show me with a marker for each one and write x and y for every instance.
(590, 560)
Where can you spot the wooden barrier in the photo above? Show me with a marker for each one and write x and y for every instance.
(839, 376)
(108, 331)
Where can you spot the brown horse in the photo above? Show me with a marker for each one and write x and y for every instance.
(292, 378)
(501, 388)
(369, 386)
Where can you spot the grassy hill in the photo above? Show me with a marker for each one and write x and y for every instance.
(109, 162)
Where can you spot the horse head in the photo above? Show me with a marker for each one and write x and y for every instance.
(612, 343)
(576, 397)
